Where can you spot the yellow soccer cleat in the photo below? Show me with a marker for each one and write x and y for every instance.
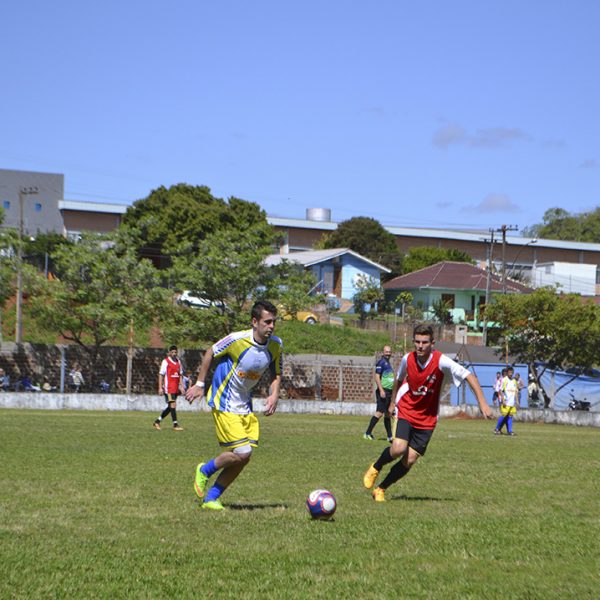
(213, 505)
(378, 494)
(370, 476)
(200, 481)
(156, 425)
(177, 428)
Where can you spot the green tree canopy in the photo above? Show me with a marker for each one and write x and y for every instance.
(559, 224)
(370, 239)
(548, 330)
(290, 286)
(185, 215)
(226, 268)
(101, 289)
(420, 257)
(369, 294)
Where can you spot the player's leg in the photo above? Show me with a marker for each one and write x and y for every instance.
(418, 439)
(173, 405)
(163, 414)
(509, 420)
(501, 421)
(391, 453)
(238, 433)
(387, 420)
(368, 434)
(400, 468)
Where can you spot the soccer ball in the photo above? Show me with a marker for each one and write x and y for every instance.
(321, 504)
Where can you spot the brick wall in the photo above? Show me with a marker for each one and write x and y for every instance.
(305, 377)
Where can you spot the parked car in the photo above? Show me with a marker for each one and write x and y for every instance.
(306, 316)
(188, 299)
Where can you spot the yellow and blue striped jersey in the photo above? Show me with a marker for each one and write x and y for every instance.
(242, 361)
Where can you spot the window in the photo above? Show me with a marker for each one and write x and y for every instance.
(38, 207)
(448, 299)
(6, 204)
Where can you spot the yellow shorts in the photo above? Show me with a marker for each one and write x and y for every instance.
(508, 410)
(235, 430)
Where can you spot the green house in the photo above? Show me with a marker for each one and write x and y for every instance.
(460, 285)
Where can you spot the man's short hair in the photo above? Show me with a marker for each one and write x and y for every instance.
(423, 330)
(257, 309)
(173, 347)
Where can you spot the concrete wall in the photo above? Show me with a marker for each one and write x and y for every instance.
(155, 404)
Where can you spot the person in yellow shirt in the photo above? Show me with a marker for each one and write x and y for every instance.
(509, 402)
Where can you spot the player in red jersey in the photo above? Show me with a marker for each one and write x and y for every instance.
(417, 389)
(170, 383)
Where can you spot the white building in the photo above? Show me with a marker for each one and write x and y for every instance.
(575, 278)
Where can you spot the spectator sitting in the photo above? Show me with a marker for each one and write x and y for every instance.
(4, 381)
(25, 384)
(46, 387)
(104, 386)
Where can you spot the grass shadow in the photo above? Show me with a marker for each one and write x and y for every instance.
(420, 498)
(255, 506)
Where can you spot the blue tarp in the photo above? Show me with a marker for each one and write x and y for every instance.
(486, 373)
(582, 387)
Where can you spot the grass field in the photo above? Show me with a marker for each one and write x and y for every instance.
(99, 505)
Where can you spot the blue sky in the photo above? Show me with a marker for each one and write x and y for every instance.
(440, 113)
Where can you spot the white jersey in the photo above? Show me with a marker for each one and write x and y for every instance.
(510, 389)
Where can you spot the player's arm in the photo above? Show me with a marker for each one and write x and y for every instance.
(161, 383)
(484, 407)
(273, 398)
(378, 383)
(398, 379)
(197, 390)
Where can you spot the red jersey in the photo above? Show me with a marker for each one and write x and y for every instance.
(171, 371)
(420, 392)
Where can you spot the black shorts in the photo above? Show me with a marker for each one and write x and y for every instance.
(171, 397)
(383, 403)
(417, 438)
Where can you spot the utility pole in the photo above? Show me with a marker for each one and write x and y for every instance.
(488, 284)
(503, 230)
(24, 191)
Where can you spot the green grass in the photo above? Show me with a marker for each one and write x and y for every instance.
(99, 505)
(301, 338)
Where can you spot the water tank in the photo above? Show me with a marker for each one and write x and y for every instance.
(318, 214)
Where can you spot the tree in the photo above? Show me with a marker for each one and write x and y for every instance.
(8, 241)
(184, 214)
(290, 286)
(559, 224)
(370, 239)
(547, 330)
(101, 289)
(369, 293)
(37, 250)
(227, 267)
(420, 257)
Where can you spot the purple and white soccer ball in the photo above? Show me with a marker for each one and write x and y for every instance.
(321, 504)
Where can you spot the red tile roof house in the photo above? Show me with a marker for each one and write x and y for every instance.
(461, 285)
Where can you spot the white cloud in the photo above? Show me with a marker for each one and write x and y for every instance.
(497, 136)
(449, 135)
(493, 203)
(494, 137)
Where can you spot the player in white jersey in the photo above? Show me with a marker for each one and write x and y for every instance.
(242, 358)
